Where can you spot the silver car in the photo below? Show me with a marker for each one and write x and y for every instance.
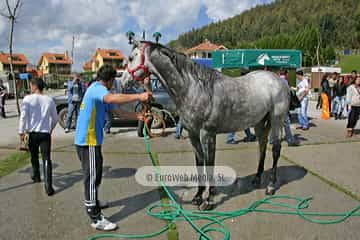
(163, 105)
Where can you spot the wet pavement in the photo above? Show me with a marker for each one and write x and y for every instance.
(325, 157)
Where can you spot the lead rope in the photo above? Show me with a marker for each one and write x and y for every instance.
(216, 218)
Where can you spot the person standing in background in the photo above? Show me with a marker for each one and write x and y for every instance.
(302, 93)
(332, 81)
(353, 99)
(3, 92)
(353, 77)
(38, 119)
(339, 100)
(75, 92)
(179, 129)
(288, 134)
(108, 116)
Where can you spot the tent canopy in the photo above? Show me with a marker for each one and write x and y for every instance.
(24, 76)
(256, 58)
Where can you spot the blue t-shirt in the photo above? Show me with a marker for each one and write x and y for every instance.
(91, 120)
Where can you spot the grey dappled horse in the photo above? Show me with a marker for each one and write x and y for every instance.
(210, 103)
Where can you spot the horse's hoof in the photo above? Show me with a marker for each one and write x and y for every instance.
(207, 206)
(197, 201)
(270, 191)
(256, 182)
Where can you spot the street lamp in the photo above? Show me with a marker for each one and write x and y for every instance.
(130, 35)
(157, 36)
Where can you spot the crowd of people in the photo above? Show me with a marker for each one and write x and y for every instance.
(341, 98)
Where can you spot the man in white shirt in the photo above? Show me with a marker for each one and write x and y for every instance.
(38, 118)
(302, 88)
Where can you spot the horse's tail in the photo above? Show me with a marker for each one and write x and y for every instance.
(294, 100)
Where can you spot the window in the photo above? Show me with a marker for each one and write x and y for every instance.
(203, 55)
(16, 58)
(112, 54)
(209, 55)
(59, 58)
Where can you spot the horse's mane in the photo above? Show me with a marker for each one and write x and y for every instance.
(203, 75)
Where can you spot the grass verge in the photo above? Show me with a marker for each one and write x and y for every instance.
(327, 181)
(13, 162)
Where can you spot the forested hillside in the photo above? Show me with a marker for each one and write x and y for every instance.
(307, 25)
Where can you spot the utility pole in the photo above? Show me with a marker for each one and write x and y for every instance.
(72, 49)
(12, 15)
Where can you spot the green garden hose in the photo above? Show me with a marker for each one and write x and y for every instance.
(290, 205)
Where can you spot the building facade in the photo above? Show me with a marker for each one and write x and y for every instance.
(19, 62)
(54, 63)
(204, 50)
(101, 57)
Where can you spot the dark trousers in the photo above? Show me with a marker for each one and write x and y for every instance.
(330, 101)
(43, 141)
(73, 107)
(2, 107)
(92, 164)
(353, 117)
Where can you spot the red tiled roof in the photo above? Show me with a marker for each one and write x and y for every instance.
(110, 54)
(18, 59)
(33, 71)
(57, 58)
(205, 46)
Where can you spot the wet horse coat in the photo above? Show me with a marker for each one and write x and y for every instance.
(210, 103)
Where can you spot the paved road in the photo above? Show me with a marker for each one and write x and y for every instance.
(325, 156)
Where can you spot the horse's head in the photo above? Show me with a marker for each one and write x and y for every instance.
(137, 67)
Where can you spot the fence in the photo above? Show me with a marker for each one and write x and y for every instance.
(56, 81)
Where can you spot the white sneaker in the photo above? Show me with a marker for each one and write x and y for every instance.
(103, 224)
(67, 130)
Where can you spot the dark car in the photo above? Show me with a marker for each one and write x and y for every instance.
(163, 105)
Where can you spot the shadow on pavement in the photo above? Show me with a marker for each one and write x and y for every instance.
(133, 204)
(243, 185)
(356, 132)
(67, 180)
(118, 172)
(299, 137)
(15, 187)
(63, 181)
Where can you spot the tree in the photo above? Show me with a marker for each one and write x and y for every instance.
(12, 14)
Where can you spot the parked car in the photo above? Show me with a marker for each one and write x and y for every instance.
(162, 102)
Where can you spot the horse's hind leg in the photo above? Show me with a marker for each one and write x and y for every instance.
(208, 143)
(276, 124)
(262, 130)
(199, 157)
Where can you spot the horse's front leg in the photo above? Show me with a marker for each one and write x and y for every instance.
(199, 157)
(208, 143)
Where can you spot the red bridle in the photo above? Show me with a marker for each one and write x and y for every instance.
(140, 67)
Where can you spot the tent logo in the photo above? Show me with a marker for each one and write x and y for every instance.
(262, 58)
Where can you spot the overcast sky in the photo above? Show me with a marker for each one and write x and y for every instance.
(48, 25)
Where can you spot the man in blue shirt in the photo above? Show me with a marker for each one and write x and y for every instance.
(89, 138)
(75, 92)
